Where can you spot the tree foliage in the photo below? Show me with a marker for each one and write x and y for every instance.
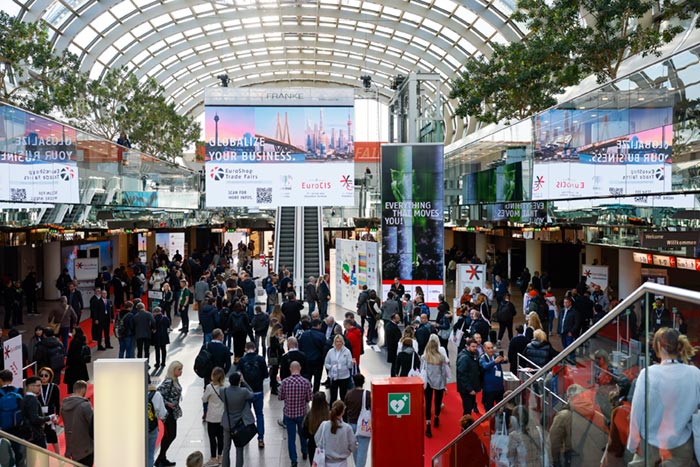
(32, 76)
(568, 40)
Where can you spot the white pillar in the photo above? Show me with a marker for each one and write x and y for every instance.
(52, 269)
(480, 246)
(533, 255)
(120, 411)
(629, 275)
(594, 252)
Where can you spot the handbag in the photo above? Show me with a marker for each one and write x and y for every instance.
(499, 446)
(695, 422)
(320, 453)
(364, 421)
(444, 334)
(56, 325)
(456, 337)
(241, 434)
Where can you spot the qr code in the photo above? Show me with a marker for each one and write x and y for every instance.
(264, 196)
(18, 194)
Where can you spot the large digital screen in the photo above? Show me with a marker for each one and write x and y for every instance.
(279, 147)
(37, 159)
(413, 218)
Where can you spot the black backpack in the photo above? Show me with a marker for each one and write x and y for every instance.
(236, 322)
(152, 419)
(250, 369)
(57, 357)
(203, 363)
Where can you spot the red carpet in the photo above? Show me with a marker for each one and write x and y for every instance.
(449, 425)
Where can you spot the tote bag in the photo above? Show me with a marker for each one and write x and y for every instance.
(364, 421)
(320, 453)
(499, 446)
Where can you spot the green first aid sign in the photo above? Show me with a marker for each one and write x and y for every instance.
(399, 404)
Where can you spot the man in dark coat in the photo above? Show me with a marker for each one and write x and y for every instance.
(479, 325)
(468, 382)
(292, 355)
(312, 343)
(392, 336)
(32, 413)
(423, 333)
(324, 296)
(291, 309)
(517, 345)
(100, 309)
(75, 300)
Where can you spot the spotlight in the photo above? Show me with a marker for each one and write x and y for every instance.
(366, 82)
(224, 80)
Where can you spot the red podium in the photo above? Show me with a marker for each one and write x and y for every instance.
(398, 422)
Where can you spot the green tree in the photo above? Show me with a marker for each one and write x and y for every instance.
(31, 75)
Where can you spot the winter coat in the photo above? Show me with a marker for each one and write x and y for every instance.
(161, 336)
(78, 421)
(76, 367)
(468, 372)
(406, 360)
(539, 353)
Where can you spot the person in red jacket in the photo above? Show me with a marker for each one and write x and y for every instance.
(353, 335)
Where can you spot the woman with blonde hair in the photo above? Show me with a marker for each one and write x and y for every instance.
(215, 411)
(336, 437)
(339, 365)
(533, 324)
(171, 390)
(665, 397)
(434, 367)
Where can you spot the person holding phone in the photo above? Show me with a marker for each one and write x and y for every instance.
(493, 376)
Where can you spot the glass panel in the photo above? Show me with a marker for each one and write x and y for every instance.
(17, 452)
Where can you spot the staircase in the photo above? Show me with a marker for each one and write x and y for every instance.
(575, 387)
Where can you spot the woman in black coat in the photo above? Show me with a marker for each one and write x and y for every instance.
(161, 337)
(76, 365)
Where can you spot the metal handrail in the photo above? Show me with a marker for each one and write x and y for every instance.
(647, 287)
(34, 447)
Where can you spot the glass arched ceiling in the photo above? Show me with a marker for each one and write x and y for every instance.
(185, 44)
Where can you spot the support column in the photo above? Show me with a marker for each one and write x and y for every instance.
(594, 252)
(629, 275)
(480, 246)
(52, 269)
(533, 255)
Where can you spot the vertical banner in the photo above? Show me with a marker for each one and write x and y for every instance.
(356, 263)
(595, 275)
(412, 218)
(470, 275)
(12, 356)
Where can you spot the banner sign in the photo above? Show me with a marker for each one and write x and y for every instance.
(37, 159)
(412, 218)
(670, 239)
(663, 260)
(356, 265)
(367, 151)
(688, 263)
(595, 275)
(279, 147)
(12, 357)
(531, 212)
(86, 269)
(644, 258)
(470, 275)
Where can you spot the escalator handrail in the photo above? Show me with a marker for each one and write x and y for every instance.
(647, 287)
(34, 447)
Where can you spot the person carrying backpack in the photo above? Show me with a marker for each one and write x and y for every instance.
(49, 352)
(10, 404)
(254, 370)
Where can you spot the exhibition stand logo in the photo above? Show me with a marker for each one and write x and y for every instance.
(67, 173)
(217, 173)
(659, 173)
(539, 183)
(473, 272)
(346, 181)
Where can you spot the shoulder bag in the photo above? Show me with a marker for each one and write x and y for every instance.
(364, 421)
(241, 434)
(56, 325)
(320, 453)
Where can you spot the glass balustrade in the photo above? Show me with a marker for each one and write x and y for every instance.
(16, 452)
(619, 394)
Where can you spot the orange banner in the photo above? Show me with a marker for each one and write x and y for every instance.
(367, 151)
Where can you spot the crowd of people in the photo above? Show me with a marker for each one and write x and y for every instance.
(311, 361)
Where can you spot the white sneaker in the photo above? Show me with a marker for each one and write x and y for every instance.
(212, 462)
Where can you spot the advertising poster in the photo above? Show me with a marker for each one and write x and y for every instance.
(595, 275)
(270, 147)
(356, 265)
(12, 358)
(470, 275)
(37, 159)
(412, 218)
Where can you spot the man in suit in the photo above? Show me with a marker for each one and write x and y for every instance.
(75, 300)
(293, 355)
(100, 309)
(32, 413)
(567, 323)
(517, 345)
(220, 353)
(324, 296)
(237, 399)
(392, 336)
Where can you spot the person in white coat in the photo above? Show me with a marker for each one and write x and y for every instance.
(339, 365)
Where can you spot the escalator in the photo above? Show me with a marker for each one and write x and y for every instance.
(575, 411)
(313, 243)
(285, 236)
